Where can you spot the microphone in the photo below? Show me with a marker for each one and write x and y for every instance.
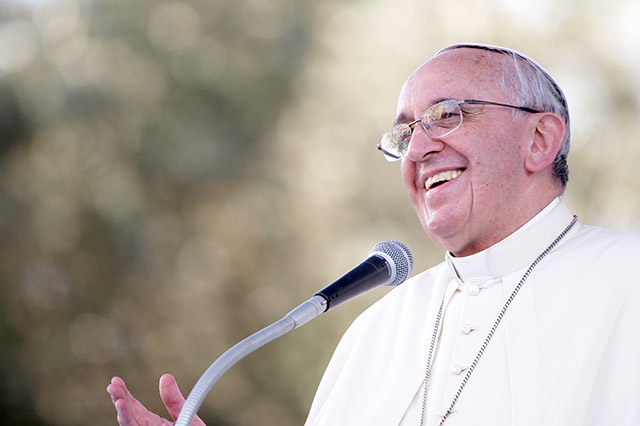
(389, 263)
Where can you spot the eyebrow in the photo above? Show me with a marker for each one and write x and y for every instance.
(402, 118)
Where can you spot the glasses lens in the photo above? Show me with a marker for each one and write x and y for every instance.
(395, 142)
(442, 118)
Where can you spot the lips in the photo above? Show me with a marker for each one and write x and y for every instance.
(442, 177)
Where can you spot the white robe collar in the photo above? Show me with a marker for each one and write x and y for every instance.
(516, 251)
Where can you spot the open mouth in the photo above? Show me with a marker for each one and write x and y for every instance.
(442, 177)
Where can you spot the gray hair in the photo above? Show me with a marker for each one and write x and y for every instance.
(535, 88)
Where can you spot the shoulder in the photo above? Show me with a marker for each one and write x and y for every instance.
(599, 255)
(598, 233)
(605, 242)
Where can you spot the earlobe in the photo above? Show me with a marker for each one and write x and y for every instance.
(545, 142)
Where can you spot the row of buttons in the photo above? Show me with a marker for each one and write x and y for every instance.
(465, 329)
(457, 369)
(472, 289)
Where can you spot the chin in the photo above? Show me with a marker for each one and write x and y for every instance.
(440, 233)
(446, 221)
(445, 228)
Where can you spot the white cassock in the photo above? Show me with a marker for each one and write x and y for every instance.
(567, 351)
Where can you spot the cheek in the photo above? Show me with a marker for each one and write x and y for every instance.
(409, 174)
(496, 171)
(408, 171)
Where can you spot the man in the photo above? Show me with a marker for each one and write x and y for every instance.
(532, 318)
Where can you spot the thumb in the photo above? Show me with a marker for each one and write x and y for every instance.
(173, 399)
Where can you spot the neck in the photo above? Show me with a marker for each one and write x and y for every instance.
(500, 227)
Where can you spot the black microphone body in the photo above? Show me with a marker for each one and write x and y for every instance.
(372, 272)
(389, 263)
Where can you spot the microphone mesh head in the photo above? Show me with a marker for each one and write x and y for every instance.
(399, 257)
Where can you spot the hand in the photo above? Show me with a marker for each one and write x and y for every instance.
(131, 412)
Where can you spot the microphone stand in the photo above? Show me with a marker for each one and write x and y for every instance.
(294, 319)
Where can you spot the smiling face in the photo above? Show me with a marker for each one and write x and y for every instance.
(471, 188)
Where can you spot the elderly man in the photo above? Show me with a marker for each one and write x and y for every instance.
(532, 319)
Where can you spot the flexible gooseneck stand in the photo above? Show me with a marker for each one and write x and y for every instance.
(294, 319)
(389, 263)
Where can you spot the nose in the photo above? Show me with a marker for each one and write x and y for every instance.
(421, 145)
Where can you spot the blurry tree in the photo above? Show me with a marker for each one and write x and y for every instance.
(117, 119)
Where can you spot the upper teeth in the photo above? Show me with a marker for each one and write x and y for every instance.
(442, 177)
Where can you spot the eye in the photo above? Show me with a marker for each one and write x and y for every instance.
(442, 115)
(441, 112)
(402, 132)
(446, 115)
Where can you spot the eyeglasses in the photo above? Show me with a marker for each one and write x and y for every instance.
(438, 121)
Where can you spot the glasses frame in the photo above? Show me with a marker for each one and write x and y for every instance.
(427, 128)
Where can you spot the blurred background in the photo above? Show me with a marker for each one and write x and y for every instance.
(175, 175)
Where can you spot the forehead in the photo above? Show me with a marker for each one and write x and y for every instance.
(460, 74)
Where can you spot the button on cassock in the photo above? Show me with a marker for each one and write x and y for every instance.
(466, 329)
(457, 369)
(473, 289)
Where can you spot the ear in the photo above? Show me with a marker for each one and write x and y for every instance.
(545, 142)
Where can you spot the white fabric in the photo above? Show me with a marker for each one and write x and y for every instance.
(566, 353)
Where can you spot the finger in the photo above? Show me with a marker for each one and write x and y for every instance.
(130, 411)
(173, 398)
(171, 395)
(117, 389)
(123, 401)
